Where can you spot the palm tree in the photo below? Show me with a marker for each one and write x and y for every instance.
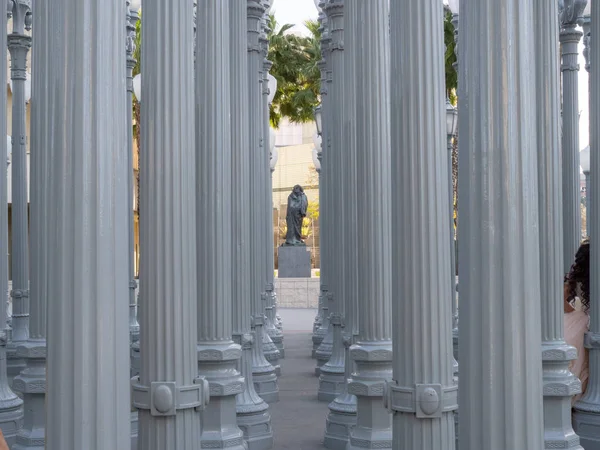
(295, 61)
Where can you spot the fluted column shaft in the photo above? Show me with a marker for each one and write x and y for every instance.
(253, 416)
(168, 331)
(265, 380)
(11, 411)
(372, 352)
(32, 380)
(134, 326)
(559, 383)
(19, 44)
(342, 411)
(324, 212)
(218, 355)
(500, 394)
(86, 218)
(332, 380)
(586, 418)
(420, 301)
(569, 41)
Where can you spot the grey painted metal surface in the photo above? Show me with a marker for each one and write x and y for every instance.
(218, 355)
(319, 332)
(253, 416)
(11, 406)
(342, 410)
(500, 384)
(87, 227)
(169, 394)
(559, 384)
(31, 382)
(570, 13)
(265, 379)
(331, 360)
(265, 201)
(421, 300)
(372, 351)
(19, 44)
(587, 411)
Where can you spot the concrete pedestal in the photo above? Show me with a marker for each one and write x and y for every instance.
(294, 262)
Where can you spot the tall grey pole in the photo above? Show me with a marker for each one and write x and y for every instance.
(273, 333)
(253, 416)
(422, 395)
(265, 379)
(586, 24)
(134, 326)
(342, 410)
(31, 383)
(585, 419)
(325, 347)
(332, 379)
(500, 389)
(19, 44)
(88, 392)
(323, 65)
(569, 40)
(455, 306)
(372, 351)
(11, 406)
(169, 393)
(559, 383)
(271, 350)
(218, 355)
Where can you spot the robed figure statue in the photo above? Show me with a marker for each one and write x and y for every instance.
(296, 212)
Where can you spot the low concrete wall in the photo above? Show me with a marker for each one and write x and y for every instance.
(297, 292)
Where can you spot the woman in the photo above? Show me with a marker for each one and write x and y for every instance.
(577, 320)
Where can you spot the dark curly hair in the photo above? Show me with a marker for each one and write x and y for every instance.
(579, 276)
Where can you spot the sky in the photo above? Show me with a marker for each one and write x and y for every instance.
(297, 11)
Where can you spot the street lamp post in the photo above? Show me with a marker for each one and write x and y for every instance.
(169, 393)
(559, 384)
(85, 213)
(253, 415)
(584, 161)
(569, 36)
(500, 267)
(451, 125)
(372, 351)
(218, 355)
(331, 357)
(342, 416)
(321, 114)
(586, 419)
(323, 121)
(274, 333)
(264, 377)
(11, 406)
(265, 200)
(31, 382)
(19, 44)
(422, 395)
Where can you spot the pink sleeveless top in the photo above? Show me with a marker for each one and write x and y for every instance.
(576, 325)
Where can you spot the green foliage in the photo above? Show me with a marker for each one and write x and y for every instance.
(295, 66)
(450, 57)
(312, 212)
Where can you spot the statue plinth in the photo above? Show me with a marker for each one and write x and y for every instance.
(294, 261)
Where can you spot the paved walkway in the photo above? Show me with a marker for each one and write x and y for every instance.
(298, 418)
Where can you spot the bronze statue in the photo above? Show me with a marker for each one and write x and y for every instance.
(296, 212)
